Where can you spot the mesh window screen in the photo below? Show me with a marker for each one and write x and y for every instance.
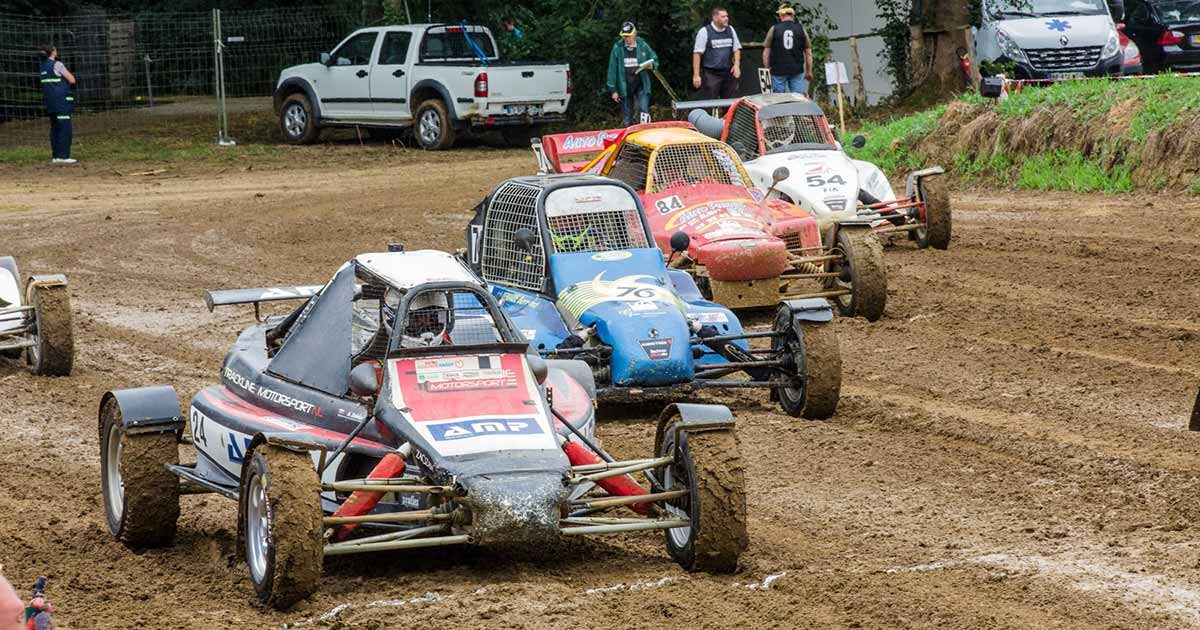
(448, 318)
(513, 207)
(743, 135)
(784, 130)
(631, 165)
(597, 231)
(696, 163)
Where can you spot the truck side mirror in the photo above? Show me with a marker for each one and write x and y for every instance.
(524, 239)
(325, 58)
(1117, 9)
(858, 142)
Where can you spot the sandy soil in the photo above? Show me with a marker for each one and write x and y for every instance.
(1010, 450)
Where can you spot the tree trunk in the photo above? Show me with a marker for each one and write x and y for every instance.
(938, 46)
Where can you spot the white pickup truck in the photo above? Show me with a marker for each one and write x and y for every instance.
(437, 79)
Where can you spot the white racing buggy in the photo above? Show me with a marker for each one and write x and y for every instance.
(36, 321)
(770, 131)
(396, 408)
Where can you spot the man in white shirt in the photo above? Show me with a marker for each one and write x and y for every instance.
(717, 58)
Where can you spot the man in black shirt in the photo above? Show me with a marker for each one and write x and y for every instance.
(787, 53)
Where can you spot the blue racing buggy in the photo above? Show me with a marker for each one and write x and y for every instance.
(572, 261)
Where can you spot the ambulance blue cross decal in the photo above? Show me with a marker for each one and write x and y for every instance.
(1058, 25)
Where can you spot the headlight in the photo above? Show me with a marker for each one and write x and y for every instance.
(1010, 47)
(1112, 46)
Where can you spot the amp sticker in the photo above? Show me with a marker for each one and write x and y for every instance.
(472, 428)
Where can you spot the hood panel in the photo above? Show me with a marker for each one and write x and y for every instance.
(1046, 32)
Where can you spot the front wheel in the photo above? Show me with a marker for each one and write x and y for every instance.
(141, 497)
(296, 120)
(937, 228)
(53, 352)
(708, 464)
(434, 130)
(861, 272)
(281, 525)
(812, 349)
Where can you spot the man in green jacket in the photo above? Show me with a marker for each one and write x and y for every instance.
(629, 85)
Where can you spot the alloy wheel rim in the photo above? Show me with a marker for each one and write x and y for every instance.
(115, 490)
(295, 120)
(431, 124)
(258, 527)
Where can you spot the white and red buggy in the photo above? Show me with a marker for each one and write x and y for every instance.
(35, 320)
(396, 407)
(770, 131)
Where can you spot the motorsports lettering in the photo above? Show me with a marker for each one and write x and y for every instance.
(271, 395)
(717, 218)
(463, 374)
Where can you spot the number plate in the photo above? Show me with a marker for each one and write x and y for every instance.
(1060, 76)
(1196, 40)
(514, 110)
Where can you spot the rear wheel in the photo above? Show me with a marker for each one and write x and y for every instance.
(434, 130)
(814, 391)
(141, 497)
(281, 525)
(296, 120)
(936, 232)
(53, 354)
(709, 465)
(862, 272)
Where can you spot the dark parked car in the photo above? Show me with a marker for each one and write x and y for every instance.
(1167, 32)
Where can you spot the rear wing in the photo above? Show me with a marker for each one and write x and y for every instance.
(712, 103)
(570, 152)
(257, 296)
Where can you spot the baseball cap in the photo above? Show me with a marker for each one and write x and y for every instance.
(628, 29)
(785, 9)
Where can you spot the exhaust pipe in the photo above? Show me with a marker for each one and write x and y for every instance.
(706, 123)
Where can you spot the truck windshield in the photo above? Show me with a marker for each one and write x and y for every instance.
(1009, 9)
(1179, 11)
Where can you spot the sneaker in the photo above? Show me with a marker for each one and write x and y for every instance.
(64, 161)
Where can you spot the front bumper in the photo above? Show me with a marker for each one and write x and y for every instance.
(523, 120)
(1105, 68)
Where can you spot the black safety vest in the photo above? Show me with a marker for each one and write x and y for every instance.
(718, 53)
(787, 49)
(56, 92)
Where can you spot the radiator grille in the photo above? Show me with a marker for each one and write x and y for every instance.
(1064, 59)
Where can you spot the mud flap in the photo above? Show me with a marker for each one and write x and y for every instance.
(692, 418)
(812, 310)
(910, 182)
(1194, 425)
(146, 409)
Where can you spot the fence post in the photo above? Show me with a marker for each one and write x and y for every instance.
(860, 85)
(223, 138)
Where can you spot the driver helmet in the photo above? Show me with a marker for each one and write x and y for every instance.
(570, 235)
(427, 322)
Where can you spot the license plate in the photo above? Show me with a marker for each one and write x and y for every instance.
(514, 110)
(1061, 76)
(1196, 40)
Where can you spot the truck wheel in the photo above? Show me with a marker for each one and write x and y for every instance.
(862, 272)
(296, 120)
(281, 525)
(814, 394)
(434, 129)
(141, 497)
(518, 137)
(54, 352)
(709, 465)
(936, 233)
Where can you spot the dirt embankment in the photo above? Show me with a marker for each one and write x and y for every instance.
(1117, 134)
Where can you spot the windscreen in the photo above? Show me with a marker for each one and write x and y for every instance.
(594, 219)
(1015, 9)
(780, 131)
(1177, 12)
(696, 163)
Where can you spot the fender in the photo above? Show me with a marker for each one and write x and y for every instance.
(692, 418)
(45, 281)
(304, 87)
(440, 89)
(910, 182)
(146, 409)
(812, 310)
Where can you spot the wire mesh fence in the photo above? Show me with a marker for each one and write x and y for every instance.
(139, 66)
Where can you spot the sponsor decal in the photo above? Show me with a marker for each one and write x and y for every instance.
(656, 349)
(529, 333)
(199, 423)
(461, 374)
(464, 429)
(837, 204)
(611, 256)
(587, 141)
(710, 318)
(579, 297)
(357, 415)
(271, 395)
(1058, 25)
(701, 217)
(757, 194)
(588, 197)
(235, 452)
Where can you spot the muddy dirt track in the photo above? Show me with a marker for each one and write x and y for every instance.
(1010, 450)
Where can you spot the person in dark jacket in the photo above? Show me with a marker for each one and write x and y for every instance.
(787, 53)
(627, 81)
(717, 58)
(58, 92)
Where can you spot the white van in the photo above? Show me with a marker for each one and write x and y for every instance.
(1050, 39)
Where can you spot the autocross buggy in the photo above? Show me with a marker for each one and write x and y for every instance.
(36, 322)
(744, 251)
(571, 260)
(770, 131)
(398, 408)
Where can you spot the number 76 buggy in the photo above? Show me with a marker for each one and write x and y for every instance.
(395, 408)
